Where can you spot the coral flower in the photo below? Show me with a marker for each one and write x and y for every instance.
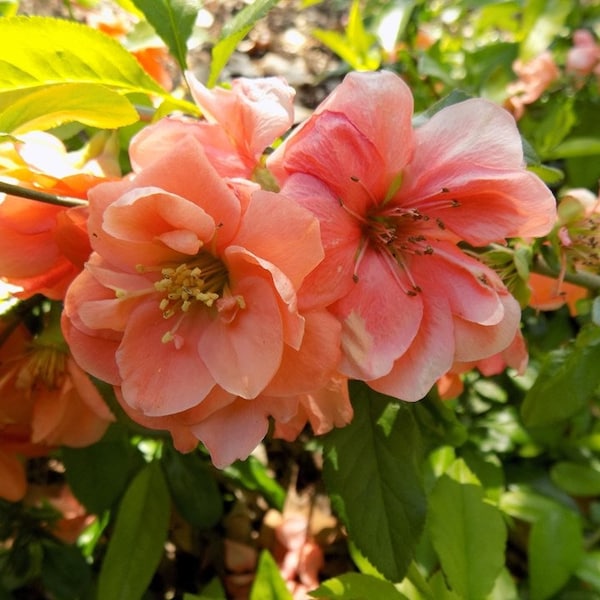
(393, 203)
(43, 247)
(240, 123)
(188, 304)
(46, 400)
(535, 76)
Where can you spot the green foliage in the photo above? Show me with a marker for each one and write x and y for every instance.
(39, 52)
(173, 20)
(268, 584)
(233, 33)
(137, 542)
(193, 488)
(373, 474)
(356, 586)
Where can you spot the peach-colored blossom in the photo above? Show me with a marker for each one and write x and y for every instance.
(42, 246)
(550, 293)
(46, 400)
(393, 202)
(534, 78)
(240, 123)
(189, 307)
(583, 57)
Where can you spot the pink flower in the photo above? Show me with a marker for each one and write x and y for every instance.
(393, 203)
(188, 304)
(583, 57)
(535, 76)
(240, 124)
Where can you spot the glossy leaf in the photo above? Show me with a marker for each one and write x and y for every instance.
(373, 473)
(90, 104)
(41, 51)
(576, 479)
(233, 33)
(98, 474)
(173, 20)
(137, 542)
(555, 551)
(193, 488)
(268, 582)
(566, 381)
(356, 586)
(458, 514)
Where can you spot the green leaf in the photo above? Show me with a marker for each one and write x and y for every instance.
(173, 20)
(65, 573)
(268, 583)
(566, 381)
(41, 51)
(467, 533)
(526, 505)
(356, 586)
(193, 488)
(373, 473)
(555, 551)
(8, 8)
(90, 104)
(576, 146)
(137, 542)
(213, 591)
(576, 479)
(233, 33)
(253, 475)
(98, 474)
(589, 569)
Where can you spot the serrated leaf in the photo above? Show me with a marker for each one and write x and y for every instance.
(173, 20)
(566, 381)
(233, 33)
(98, 474)
(42, 51)
(268, 582)
(373, 473)
(357, 586)
(555, 551)
(193, 488)
(468, 535)
(90, 104)
(137, 542)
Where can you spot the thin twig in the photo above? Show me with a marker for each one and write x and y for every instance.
(17, 190)
(587, 280)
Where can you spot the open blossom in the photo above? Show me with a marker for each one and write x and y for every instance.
(189, 307)
(42, 246)
(240, 123)
(393, 203)
(46, 400)
(535, 76)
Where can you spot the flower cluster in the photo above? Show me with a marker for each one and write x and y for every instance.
(214, 305)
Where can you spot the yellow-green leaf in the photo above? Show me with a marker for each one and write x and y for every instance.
(86, 103)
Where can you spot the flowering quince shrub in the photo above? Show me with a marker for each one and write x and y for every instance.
(245, 355)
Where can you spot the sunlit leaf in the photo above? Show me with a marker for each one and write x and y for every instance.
(233, 33)
(356, 586)
(174, 21)
(458, 514)
(268, 582)
(90, 104)
(137, 542)
(576, 479)
(373, 474)
(41, 51)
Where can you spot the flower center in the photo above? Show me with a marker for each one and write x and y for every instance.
(186, 284)
(46, 367)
